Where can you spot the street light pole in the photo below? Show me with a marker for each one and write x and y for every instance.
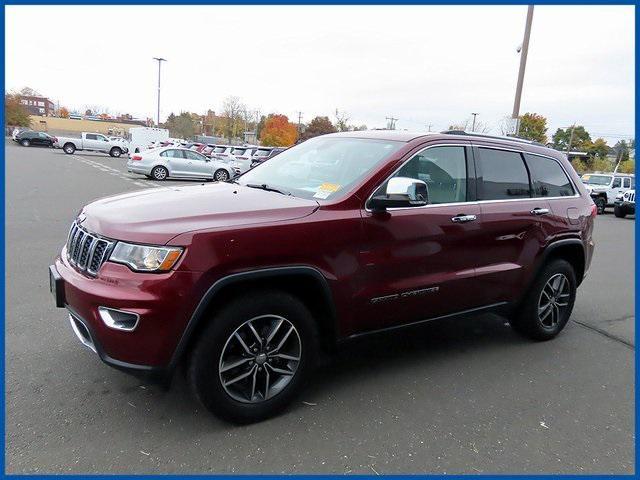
(523, 65)
(160, 60)
(473, 126)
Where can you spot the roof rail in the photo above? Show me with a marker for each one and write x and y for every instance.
(497, 137)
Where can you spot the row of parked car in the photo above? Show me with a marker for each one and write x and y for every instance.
(178, 159)
(615, 190)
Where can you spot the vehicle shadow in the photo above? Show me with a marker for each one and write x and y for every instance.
(361, 361)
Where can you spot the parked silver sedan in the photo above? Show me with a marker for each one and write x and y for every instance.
(174, 162)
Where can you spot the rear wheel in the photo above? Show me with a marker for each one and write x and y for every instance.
(601, 204)
(221, 175)
(619, 212)
(115, 152)
(25, 143)
(69, 148)
(548, 305)
(253, 357)
(159, 173)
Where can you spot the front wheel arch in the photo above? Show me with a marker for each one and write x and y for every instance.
(305, 282)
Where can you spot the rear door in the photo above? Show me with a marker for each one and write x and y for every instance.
(176, 162)
(515, 224)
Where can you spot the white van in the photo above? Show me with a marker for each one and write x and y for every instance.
(142, 137)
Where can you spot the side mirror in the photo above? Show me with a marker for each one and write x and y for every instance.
(401, 192)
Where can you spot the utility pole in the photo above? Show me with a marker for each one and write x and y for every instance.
(429, 127)
(159, 60)
(391, 123)
(473, 126)
(523, 65)
(300, 122)
(570, 139)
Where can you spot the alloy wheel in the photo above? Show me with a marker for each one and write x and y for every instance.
(554, 300)
(260, 358)
(221, 176)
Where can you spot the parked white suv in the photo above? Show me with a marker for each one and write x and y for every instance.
(605, 187)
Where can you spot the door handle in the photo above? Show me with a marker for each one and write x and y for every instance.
(463, 218)
(539, 211)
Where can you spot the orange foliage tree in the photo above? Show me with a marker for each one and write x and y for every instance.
(278, 132)
(64, 113)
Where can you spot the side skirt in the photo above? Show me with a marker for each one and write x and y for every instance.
(494, 307)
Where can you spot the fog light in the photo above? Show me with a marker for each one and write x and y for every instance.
(118, 319)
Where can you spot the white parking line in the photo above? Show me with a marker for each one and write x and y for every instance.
(113, 171)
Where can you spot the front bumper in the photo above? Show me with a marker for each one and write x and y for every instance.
(162, 301)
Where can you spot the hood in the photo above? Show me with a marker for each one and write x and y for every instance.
(156, 215)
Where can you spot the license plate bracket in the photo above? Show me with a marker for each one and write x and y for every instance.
(56, 286)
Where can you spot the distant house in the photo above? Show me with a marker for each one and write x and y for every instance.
(36, 105)
(571, 156)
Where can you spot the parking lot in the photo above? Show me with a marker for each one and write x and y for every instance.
(466, 396)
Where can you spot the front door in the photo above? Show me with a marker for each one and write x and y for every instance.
(417, 262)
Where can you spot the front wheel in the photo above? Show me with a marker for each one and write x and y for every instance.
(221, 175)
(69, 148)
(547, 307)
(25, 143)
(619, 212)
(159, 173)
(601, 204)
(253, 357)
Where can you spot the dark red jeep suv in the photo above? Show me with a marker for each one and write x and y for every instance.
(343, 235)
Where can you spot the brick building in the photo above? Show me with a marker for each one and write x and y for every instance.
(36, 105)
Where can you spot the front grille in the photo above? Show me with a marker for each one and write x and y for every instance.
(631, 197)
(85, 251)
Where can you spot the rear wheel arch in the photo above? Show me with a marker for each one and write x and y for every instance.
(307, 284)
(571, 250)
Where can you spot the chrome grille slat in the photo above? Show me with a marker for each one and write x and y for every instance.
(87, 251)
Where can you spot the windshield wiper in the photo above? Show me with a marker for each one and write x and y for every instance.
(264, 186)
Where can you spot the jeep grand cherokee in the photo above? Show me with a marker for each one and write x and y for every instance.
(343, 235)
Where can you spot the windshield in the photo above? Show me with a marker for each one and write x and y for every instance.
(261, 153)
(238, 151)
(321, 167)
(596, 179)
(219, 149)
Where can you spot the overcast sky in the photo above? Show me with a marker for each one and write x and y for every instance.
(421, 64)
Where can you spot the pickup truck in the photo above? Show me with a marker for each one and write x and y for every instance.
(93, 142)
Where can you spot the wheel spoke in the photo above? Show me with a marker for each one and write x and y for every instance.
(281, 371)
(239, 377)
(274, 330)
(556, 284)
(564, 304)
(253, 384)
(255, 333)
(244, 345)
(266, 384)
(544, 309)
(556, 317)
(282, 342)
(228, 366)
(285, 356)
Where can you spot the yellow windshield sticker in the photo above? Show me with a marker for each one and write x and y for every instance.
(325, 190)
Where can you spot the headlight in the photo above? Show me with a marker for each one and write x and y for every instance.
(144, 258)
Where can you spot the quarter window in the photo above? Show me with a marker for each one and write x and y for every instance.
(503, 175)
(548, 177)
(626, 182)
(443, 169)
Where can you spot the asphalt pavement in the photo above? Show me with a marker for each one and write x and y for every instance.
(466, 396)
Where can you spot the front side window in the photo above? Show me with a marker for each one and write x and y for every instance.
(443, 169)
(503, 175)
(321, 167)
(194, 156)
(548, 177)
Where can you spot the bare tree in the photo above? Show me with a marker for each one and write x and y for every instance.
(465, 125)
(342, 121)
(232, 109)
(507, 125)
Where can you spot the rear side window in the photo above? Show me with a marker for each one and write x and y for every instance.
(91, 136)
(503, 175)
(548, 178)
(626, 182)
(172, 154)
(617, 182)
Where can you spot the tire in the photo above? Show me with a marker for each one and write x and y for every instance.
(25, 143)
(532, 322)
(115, 152)
(221, 175)
(159, 173)
(69, 148)
(601, 205)
(619, 212)
(271, 313)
